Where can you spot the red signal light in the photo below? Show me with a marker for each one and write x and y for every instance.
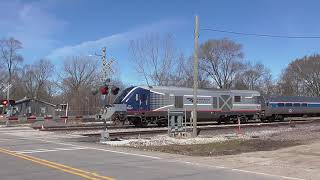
(104, 90)
(5, 102)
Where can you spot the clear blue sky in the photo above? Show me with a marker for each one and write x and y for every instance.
(61, 28)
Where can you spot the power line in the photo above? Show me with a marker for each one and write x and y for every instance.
(261, 35)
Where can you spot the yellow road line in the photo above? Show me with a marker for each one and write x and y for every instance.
(68, 169)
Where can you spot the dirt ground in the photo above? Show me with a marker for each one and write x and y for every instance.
(224, 148)
(293, 153)
(280, 137)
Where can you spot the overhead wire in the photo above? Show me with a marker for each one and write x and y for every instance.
(260, 35)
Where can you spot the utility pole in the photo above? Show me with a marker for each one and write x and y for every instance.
(195, 77)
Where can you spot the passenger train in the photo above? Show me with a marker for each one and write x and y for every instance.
(150, 104)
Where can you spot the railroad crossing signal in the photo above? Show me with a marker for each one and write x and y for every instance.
(105, 90)
(5, 87)
(6, 102)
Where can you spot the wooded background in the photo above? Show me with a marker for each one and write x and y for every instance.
(223, 65)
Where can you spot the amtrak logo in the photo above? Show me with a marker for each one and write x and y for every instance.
(199, 100)
(129, 107)
(190, 99)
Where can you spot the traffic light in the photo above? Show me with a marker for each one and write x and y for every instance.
(4, 102)
(104, 90)
(115, 90)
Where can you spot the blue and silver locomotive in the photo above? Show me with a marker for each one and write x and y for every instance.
(146, 104)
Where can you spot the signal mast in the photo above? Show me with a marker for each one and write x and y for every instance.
(107, 111)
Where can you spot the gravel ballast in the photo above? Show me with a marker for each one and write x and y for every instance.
(227, 142)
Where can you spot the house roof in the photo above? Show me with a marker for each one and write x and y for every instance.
(25, 99)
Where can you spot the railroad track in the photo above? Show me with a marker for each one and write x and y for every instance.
(81, 127)
(97, 127)
(152, 131)
(203, 126)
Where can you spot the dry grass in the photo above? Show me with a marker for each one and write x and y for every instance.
(223, 148)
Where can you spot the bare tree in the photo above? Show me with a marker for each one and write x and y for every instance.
(78, 77)
(183, 75)
(36, 79)
(154, 58)
(254, 77)
(288, 84)
(9, 55)
(79, 71)
(302, 77)
(221, 60)
(43, 71)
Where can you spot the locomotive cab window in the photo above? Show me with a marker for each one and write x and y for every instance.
(288, 104)
(237, 98)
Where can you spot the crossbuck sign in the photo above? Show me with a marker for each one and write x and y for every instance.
(5, 87)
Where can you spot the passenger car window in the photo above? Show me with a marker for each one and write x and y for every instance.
(288, 104)
(304, 105)
(280, 104)
(296, 104)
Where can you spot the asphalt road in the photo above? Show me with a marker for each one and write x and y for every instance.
(37, 158)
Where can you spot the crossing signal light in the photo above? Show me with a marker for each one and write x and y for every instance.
(12, 102)
(4, 102)
(104, 90)
(115, 90)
